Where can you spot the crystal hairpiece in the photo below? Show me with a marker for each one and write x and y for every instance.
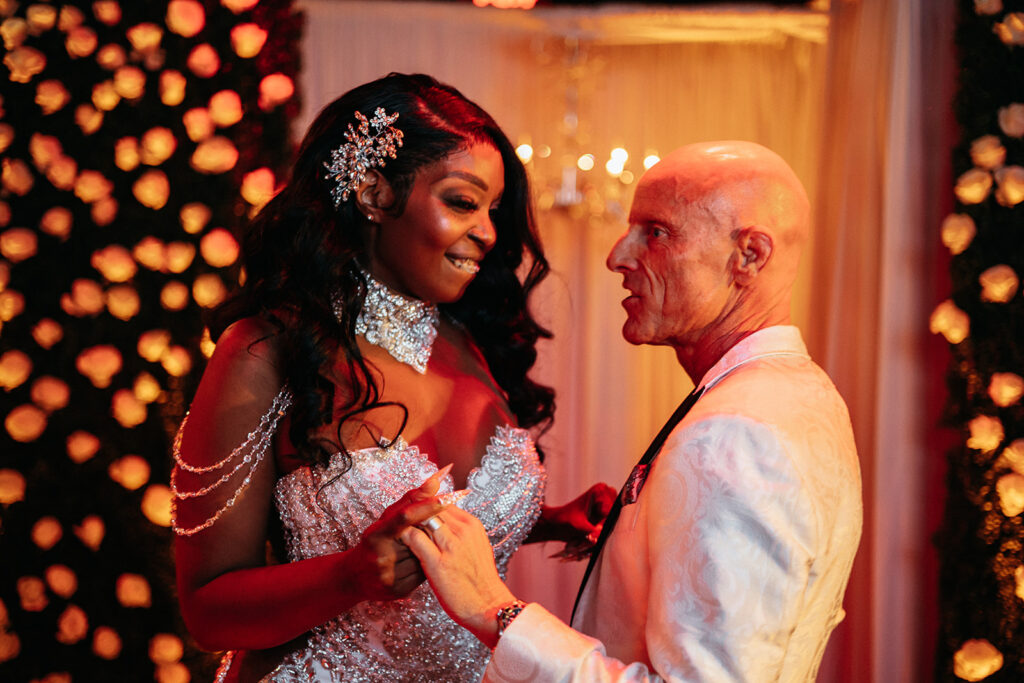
(363, 151)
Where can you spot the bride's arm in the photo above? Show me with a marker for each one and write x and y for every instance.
(229, 598)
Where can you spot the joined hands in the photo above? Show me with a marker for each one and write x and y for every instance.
(382, 565)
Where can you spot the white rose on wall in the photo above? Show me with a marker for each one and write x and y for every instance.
(988, 6)
(1011, 185)
(973, 186)
(988, 152)
(1011, 120)
(1011, 30)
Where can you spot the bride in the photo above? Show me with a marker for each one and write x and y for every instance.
(371, 369)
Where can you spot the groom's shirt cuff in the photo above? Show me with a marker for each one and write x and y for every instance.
(538, 646)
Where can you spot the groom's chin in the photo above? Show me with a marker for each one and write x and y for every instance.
(632, 333)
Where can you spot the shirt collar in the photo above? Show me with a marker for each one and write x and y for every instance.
(769, 341)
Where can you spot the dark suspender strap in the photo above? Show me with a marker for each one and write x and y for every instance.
(638, 472)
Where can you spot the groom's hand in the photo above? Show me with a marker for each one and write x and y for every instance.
(459, 563)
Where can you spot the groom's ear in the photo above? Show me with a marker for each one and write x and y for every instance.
(753, 251)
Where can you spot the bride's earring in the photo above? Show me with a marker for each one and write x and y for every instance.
(366, 204)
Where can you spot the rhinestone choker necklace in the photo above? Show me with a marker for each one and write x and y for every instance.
(405, 328)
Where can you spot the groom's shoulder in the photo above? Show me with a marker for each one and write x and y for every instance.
(772, 387)
(788, 403)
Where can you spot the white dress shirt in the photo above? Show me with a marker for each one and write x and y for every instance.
(732, 564)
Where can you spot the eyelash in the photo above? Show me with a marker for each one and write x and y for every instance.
(463, 204)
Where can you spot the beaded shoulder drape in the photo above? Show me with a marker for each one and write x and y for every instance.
(326, 509)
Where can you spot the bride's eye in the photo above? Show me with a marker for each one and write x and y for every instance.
(462, 204)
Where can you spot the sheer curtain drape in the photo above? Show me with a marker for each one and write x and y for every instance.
(881, 188)
(841, 109)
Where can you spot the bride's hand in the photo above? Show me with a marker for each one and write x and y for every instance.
(577, 523)
(381, 567)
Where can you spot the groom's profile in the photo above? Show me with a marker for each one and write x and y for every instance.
(728, 552)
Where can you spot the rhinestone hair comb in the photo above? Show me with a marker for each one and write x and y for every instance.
(363, 151)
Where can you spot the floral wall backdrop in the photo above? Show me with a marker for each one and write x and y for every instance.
(981, 542)
(135, 139)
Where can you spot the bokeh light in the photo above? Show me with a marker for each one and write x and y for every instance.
(1005, 388)
(32, 593)
(50, 393)
(57, 222)
(12, 486)
(91, 532)
(133, 590)
(986, 433)
(47, 332)
(47, 532)
(114, 262)
(958, 230)
(258, 187)
(99, 363)
(216, 155)
(81, 446)
(25, 423)
(61, 580)
(15, 368)
(950, 321)
(219, 248)
(156, 504)
(72, 625)
(106, 643)
(275, 89)
(247, 40)
(976, 660)
(133, 146)
(126, 409)
(130, 471)
(172, 87)
(152, 189)
(999, 284)
(225, 108)
(185, 17)
(1010, 185)
(203, 61)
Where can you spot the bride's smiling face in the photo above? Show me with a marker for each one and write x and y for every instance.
(433, 250)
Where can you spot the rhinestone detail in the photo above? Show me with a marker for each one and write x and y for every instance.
(249, 453)
(326, 509)
(362, 151)
(406, 328)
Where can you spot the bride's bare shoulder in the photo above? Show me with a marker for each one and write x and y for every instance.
(253, 336)
(248, 351)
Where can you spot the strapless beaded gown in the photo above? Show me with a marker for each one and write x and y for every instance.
(326, 509)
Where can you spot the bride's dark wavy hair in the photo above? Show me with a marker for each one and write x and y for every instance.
(300, 253)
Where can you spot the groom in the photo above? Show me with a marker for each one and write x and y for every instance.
(729, 549)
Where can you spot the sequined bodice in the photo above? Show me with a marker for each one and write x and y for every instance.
(326, 510)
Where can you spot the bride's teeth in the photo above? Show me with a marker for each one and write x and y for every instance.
(466, 264)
